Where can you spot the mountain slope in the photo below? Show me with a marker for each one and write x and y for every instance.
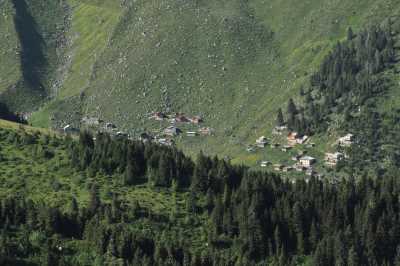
(9, 68)
(233, 62)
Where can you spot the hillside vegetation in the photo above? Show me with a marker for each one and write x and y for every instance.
(113, 201)
(233, 62)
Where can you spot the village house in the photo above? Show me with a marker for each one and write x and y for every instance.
(159, 116)
(250, 149)
(299, 167)
(166, 142)
(110, 126)
(278, 167)
(121, 134)
(346, 141)
(331, 159)
(261, 142)
(302, 140)
(274, 146)
(265, 163)
(68, 129)
(288, 169)
(292, 138)
(310, 145)
(145, 137)
(311, 172)
(91, 121)
(172, 131)
(302, 153)
(24, 115)
(278, 130)
(196, 120)
(286, 148)
(191, 133)
(296, 157)
(205, 131)
(307, 161)
(181, 118)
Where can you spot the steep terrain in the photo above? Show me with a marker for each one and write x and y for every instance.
(233, 62)
(38, 28)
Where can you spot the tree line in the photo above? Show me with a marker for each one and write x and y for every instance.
(346, 93)
(257, 217)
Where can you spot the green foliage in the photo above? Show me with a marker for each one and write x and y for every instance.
(225, 214)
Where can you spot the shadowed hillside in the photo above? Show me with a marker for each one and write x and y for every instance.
(39, 26)
(32, 56)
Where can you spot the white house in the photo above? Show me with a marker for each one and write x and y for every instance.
(261, 142)
(191, 133)
(70, 129)
(331, 159)
(346, 141)
(302, 140)
(172, 131)
(307, 161)
(265, 163)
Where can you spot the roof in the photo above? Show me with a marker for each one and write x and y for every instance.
(307, 158)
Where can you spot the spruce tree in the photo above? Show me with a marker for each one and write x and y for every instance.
(94, 201)
(280, 121)
(350, 34)
(397, 257)
(353, 258)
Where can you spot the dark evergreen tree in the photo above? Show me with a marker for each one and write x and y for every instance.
(280, 121)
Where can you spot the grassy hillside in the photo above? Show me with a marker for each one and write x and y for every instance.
(10, 64)
(92, 23)
(233, 62)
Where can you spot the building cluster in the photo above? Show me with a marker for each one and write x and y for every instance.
(332, 159)
(176, 118)
(303, 162)
(173, 131)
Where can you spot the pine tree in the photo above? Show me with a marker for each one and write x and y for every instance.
(353, 258)
(314, 235)
(291, 108)
(201, 182)
(319, 255)
(278, 240)
(94, 202)
(397, 258)
(217, 216)
(340, 251)
(350, 34)
(129, 176)
(280, 121)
